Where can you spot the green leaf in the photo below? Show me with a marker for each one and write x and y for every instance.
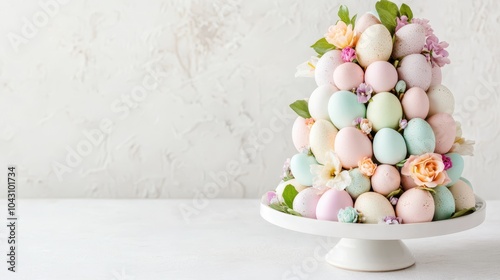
(293, 212)
(322, 46)
(395, 193)
(387, 12)
(353, 21)
(300, 107)
(344, 14)
(278, 207)
(289, 194)
(463, 212)
(401, 163)
(406, 10)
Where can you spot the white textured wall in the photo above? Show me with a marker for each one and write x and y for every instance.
(219, 78)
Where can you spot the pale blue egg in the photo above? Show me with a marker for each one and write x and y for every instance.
(419, 137)
(300, 165)
(457, 168)
(467, 182)
(360, 183)
(344, 108)
(389, 146)
(444, 203)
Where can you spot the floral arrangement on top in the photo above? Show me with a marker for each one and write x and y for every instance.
(376, 139)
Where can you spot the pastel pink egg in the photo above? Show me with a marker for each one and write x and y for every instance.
(444, 127)
(416, 71)
(352, 145)
(300, 134)
(330, 203)
(415, 103)
(348, 76)
(437, 76)
(386, 179)
(381, 76)
(365, 21)
(407, 182)
(306, 201)
(415, 206)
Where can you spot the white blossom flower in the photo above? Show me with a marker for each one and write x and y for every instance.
(307, 68)
(330, 174)
(462, 146)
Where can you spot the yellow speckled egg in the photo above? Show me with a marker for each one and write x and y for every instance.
(374, 207)
(352, 145)
(322, 139)
(463, 195)
(444, 127)
(415, 206)
(409, 39)
(415, 103)
(384, 111)
(365, 21)
(323, 74)
(374, 44)
(441, 100)
(416, 71)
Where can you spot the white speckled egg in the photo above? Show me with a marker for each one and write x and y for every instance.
(306, 201)
(444, 203)
(386, 179)
(374, 44)
(344, 108)
(444, 127)
(281, 187)
(381, 76)
(351, 146)
(348, 76)
(463, 195)
(384, 111)
(441, 100)
(419, 137)
(409, 39)
(318, 102)
(330, 203)
(437, 76)
(322, 139)
(389, 146)
(415, 206)
(415, 103)
(323, 74)
(374, 207)
(416, 71)
(360, 183)
(300, 134)
(467, 182)
(365, 21)
(300, 165)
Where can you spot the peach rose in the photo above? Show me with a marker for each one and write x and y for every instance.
(341, 35)
(366, 166)
(426, 170)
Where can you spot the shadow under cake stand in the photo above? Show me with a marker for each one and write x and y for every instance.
(373, 247)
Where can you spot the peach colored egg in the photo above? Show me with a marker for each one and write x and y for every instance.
(300, 134)
(407, 182)
(415, 206)
(440, 100)
(444, 127)
(352, 145)
(348, 76)
(365, 21)
(330, 203)
(437, 76)
(381, 76)
(306, 201)
(323, 74)
(386, 179)
(416, 71)
(374, 207)
(409, 39)
(463, 195)
(415, 103)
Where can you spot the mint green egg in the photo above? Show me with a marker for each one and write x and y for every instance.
(455, 172)
(300, 165)
(384, 110)
(389, 146)
(444, 203)
(344, 108)
(419, 137)
(467, 182)
(359, 183)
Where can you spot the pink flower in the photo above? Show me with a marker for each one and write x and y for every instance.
(425, 23)
(394, 200)
(426, 170)
(447, 162)
(435, 51)
(403, 124)
(348, 54)
(364, 93)
(341, 35)
(366, 166)
(270, 198)
(391, 220)
(400, 22)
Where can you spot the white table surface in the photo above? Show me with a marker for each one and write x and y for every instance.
(150, 239)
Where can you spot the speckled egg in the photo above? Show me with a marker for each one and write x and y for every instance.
(344, 108)
(365, 21)
(330, 203)
(281, 187)
(389, 146)
(386, 179)
(416, 71)
(437, 76)
(374, 44)
(444, 203)
(456, 169)
(407, 182)
(360, 183)
(323, 74)
(348, 76)
(374, 207)
(381, 76)
(351, 146)
(444, 127)
(441, 100)
(467, 182)
(322, 139)
(318, 102)
(463, 195)
(419, 137)
(415, 206)
(306, 202)
(415, 103)
(409, 39)
(384, 111)
(300, 165)
(300, 134)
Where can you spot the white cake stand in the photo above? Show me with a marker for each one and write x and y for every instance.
(373, 247)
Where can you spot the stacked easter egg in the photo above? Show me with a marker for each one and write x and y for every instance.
(376, 140)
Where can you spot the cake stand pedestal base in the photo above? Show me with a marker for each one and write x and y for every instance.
(370, 255)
